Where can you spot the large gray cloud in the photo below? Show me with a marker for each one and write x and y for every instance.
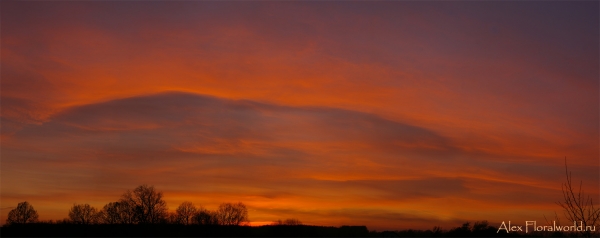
(175, 136)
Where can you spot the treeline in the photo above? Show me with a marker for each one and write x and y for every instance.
(143, 212)
(143, 205)
(467, 229)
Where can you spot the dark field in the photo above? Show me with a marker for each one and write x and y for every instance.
(172, 230)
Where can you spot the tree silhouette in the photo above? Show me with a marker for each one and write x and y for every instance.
(172, 218)
(121, 212)
(83, 214)
(24, 213)
(577, 207)
(205, 217)
(232, 214)
(461, 231)
(127, 211)
(147, 204)
(483, 227)
(110, 213)
(185, 212)
(287, 222)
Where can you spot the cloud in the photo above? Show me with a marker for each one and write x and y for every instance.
(186, 125)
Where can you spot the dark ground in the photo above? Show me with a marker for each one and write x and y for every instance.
(171, 230)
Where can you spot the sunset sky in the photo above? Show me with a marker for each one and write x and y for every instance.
(392, 115)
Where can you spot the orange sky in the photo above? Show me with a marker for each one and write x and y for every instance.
(393, 115)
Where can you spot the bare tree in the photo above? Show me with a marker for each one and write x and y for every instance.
(23, 213)
(205, 217)
(185, 213)
(172, 218)
(578, 207)
(121, 212)
(83, 214)
(110, 213)
(232, 214)
(127, 211)
(147, 203)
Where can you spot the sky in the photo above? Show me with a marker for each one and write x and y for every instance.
(389, 114)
